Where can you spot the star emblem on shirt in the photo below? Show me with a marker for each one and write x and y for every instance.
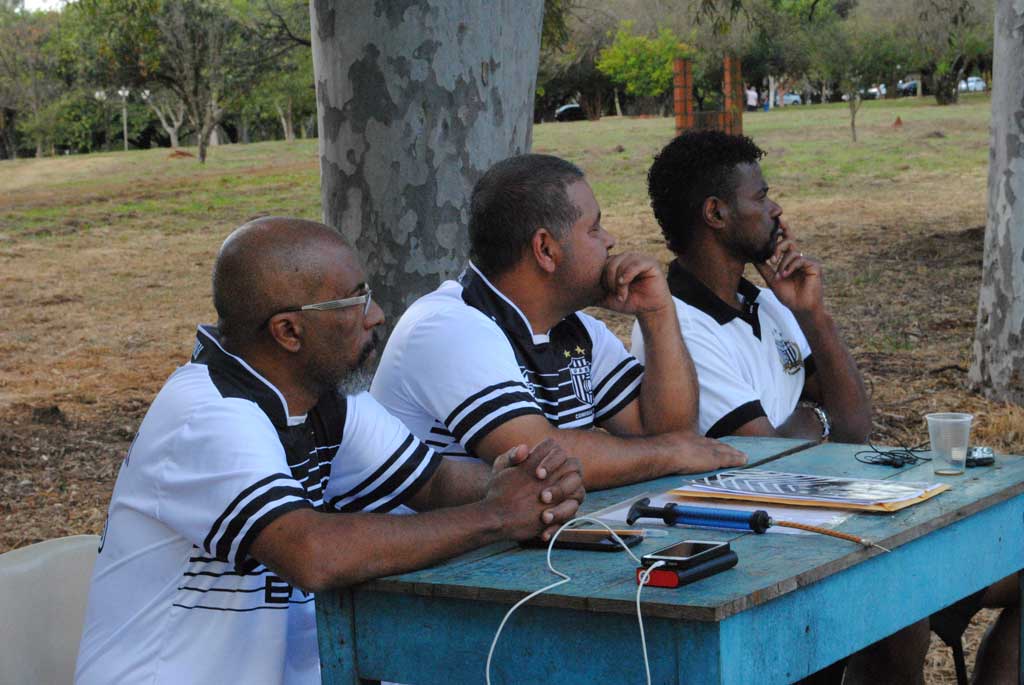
(579, 350)
(567, 354)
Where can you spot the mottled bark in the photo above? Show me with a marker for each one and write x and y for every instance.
(998, 368)
(415, 100)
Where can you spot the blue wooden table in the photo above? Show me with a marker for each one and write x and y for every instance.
(793, 605)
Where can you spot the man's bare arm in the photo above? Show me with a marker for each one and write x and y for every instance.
(802, 423)
(611, 460)
(837, 384)
(669, 394)
(316, 550)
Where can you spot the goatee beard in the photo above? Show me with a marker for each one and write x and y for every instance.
(359, 379)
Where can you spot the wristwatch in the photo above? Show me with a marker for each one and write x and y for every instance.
(826, 425)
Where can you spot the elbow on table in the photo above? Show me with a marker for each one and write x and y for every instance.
(857, 430)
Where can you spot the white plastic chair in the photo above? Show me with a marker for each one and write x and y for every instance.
(43, 592)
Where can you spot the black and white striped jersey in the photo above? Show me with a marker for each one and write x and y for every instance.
(750, 363)
(463, 360)
(175, 596)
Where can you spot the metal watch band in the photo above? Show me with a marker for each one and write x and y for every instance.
(826, 425)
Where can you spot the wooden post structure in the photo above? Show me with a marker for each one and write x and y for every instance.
(682, 94)
(732, 91)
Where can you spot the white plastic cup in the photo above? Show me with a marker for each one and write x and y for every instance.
(950, 434)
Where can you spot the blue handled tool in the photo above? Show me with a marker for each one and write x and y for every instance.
(757, 521)
(672, 514)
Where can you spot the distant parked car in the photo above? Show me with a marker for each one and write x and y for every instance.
(570, 112)
(876, 92)
(907, 88)
(973, 84)
(792, 99)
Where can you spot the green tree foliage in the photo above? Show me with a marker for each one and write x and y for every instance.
(568, 69)
(641, 64)
(31, 78)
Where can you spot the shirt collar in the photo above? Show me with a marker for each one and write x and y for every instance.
(239, 376)
(480, 293)
(693, 292)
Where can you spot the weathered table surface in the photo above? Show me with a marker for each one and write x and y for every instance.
(792, 605)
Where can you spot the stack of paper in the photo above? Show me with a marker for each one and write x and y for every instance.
(809, 489)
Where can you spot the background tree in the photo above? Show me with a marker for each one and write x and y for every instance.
(170, 111)
(998, 366)
(415, 102)
(30, 76)
(642, 64)
(568, 64)
(952, 35)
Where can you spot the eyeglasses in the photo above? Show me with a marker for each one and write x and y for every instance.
(366, 300)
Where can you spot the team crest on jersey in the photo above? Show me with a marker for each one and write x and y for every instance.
(579, 374)
(789, 353)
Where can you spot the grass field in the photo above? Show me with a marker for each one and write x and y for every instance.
(105, 262)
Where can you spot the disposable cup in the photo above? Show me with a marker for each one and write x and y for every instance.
(950, 434)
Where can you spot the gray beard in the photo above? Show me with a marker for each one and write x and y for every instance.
(355, 382)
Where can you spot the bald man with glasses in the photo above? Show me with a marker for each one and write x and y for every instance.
(261, 474)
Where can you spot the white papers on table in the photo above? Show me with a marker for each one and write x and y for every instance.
(813, 516)
(808, 487)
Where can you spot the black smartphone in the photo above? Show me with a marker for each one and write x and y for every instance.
(589, 543)
(687, 553)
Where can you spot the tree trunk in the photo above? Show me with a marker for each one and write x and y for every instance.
(285, 114)
(946, 86)
(415, 101)
(618, 107)
(998, 367)
(854, 103)
(771, 92)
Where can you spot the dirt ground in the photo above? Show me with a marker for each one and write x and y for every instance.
(98, 312)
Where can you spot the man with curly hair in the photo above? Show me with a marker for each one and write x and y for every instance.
(770, 361)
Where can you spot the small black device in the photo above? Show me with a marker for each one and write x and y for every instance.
(686, 553)
(589, 543)
(980, 456)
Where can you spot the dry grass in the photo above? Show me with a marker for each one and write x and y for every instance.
(105, 260)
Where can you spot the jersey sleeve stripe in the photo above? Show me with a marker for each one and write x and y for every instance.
(243, 495)
(489, 423)
(233, 544)
(467, 405)
(617, 395)
(419, 463)
(401, 453)
(504, 407)
(242, 559)
(614, 373)
(739, 416)
(410, 487)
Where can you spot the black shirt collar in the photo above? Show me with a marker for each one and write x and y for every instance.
(480, 293)
(693, 292)
(235, 378)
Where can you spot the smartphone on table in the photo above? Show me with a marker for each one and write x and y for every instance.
(686, 562)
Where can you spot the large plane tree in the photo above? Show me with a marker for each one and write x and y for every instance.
(416, 99)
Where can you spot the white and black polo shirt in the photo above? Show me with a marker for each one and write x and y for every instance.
(463, 360)
(175, 596)
(750, 362)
